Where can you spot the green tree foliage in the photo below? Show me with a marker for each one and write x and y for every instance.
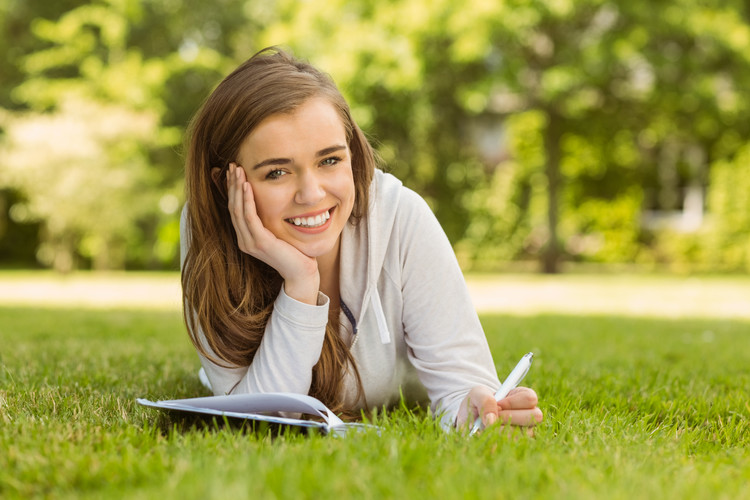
(633, 102)
(727, 242)
(628, 106)
(535, 129)
(394, 62)
(88, 152)
(85, 171)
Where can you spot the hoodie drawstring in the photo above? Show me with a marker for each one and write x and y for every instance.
(377, 307)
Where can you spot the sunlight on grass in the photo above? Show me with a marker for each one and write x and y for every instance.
(650, 401)
(634, 408)
(135, 290)
(523, 294)
(631, 295)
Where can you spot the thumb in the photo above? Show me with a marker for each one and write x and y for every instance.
(488, 411)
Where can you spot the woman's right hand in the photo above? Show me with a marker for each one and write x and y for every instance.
(518, 408)
(299, 271)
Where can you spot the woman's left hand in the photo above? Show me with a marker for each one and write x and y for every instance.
(518, 408)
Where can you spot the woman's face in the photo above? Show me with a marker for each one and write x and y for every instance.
(299, 167)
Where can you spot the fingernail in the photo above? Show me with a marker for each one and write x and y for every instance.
(490, 419)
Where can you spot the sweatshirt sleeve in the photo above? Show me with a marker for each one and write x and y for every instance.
(445, 340)
(291, 346)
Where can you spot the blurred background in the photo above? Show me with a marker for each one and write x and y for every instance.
(546, 135)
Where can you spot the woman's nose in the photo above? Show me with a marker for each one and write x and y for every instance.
(309, 190)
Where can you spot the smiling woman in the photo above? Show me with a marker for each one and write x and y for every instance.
(301, 180)
(308, 270)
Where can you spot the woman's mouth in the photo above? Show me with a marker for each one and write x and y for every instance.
(311, 222)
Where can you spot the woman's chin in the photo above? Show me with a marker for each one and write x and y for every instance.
(315, 250)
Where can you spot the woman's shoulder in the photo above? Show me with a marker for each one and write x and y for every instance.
(389, 191)
(397, 207)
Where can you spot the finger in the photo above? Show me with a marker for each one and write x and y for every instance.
(234, 194)
(488, 410)
(250, 212)
(520, 389)
(260, 241)
(524, 418)
(477, 402)
(241, 208)
(519, 398)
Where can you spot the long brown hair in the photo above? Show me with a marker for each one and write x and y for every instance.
(227, 292)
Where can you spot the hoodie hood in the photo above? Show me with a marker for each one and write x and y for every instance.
(363, 248)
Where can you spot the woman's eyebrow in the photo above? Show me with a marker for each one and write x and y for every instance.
(286, 161)
(272, 161)
(331, 149)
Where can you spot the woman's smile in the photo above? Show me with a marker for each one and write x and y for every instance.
(311, 221)
(299, 167)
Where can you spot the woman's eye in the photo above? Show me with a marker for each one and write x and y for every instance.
(333, 160)
(275, 174)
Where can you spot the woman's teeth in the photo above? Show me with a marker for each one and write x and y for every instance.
(316, 221)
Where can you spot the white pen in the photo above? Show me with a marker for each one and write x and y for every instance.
(511, 382)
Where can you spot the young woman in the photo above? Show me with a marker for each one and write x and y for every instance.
(308, 270)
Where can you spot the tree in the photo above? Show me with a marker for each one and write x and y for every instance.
(394, 63)
(425, 69)
(599, 108)
(92, 153)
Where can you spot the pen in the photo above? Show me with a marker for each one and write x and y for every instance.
(511, 382)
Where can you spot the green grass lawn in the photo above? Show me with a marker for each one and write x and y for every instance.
(634, 407)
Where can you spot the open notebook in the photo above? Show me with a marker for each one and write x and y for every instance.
(263, 407)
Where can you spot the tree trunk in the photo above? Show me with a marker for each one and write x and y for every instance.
(552, 134)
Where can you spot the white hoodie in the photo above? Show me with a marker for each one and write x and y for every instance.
(417, 332)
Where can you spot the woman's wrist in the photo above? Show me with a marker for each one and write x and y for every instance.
(303, 283)
(305, 291)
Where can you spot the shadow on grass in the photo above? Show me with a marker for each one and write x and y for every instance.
(169, 422)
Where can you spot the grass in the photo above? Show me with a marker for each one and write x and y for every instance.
(641, 407)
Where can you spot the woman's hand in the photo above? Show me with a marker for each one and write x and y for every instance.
(518, 408)
(300, 272)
